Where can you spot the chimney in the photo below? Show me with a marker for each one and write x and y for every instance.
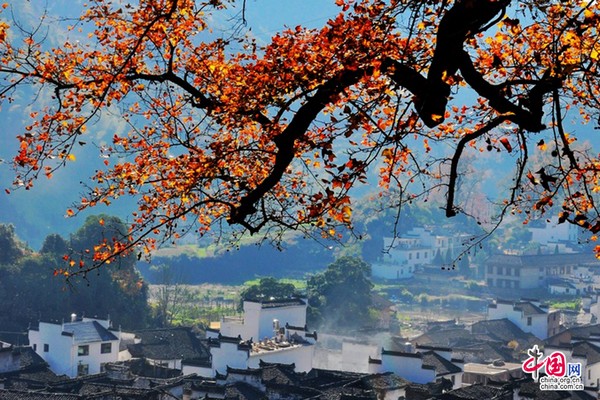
(73, 317)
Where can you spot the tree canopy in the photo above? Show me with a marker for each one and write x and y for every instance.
(271, 137)
(30, 292)
(340, 296)
(268, 288)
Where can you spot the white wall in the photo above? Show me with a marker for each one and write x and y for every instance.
(355, 356)
(539, 322)
(300, 355)
(228, 354)
(62, 354)
(407, 367)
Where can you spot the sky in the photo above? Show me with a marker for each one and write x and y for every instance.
(41, 210)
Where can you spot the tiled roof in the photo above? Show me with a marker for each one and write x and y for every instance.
(442, 337)
(531, 390)
(528, 308)
(477, 392)
(587, 350)
(27, 395)
(543, 260)
(88, 331)
(243, 391)
(279, 374)
(441, 365)
(385, 381)
(578, 331)
(282, 303)
(484, 352)
(504, 331)
(168, 344)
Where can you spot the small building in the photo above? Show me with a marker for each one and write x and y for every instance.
(75, 348)
(168, 347)
(260, 316)
(563, 288)
(272, 331)
(417, 248)
(427, 364)
(587, 353)
(504, 271)
(528, 314)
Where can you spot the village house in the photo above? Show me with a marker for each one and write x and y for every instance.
(167, 347)
(418, 247)
(585, 352)
(506, 271)
(426, 365)
(75, 348)
(528, 314)
(271, 331)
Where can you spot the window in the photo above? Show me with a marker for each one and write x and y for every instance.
(105, 348)
(490, 282)
(528, 321)
(34, 347)
(103, 367)
(500, 272)
(83, 350)
(517, 272)
(490, 269)
(83, 369)
(46, 347)
(426, 254)
(508, 271)
(418, 254)
(517, 285)
(410, 256)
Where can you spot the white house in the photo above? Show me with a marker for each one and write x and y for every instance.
(586, 352)
(272, 331)
(529, 315)
(75, 348)
(417, 247)
(259, 317)
(551, 232)
(427, 364)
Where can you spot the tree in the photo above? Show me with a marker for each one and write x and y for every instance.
(268, 288)
(30, 291)
(340, 297)
(10, 247)
(117, 288)
(270, 138)
(170, 296)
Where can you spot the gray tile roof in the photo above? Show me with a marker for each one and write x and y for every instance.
(477, 392)
(543, 260)
(587, 350)
(169, 344)
(87, 332)
(28, 395)
(441, 365)
(528, 308)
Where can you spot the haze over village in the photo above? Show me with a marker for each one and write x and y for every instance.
(299, 200)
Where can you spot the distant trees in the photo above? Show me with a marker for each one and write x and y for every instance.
(170, 296)
(10, 248)
(29, 291)
(268, 288)
(340, 297)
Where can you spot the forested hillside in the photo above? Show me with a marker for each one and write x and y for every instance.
(30, 291)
